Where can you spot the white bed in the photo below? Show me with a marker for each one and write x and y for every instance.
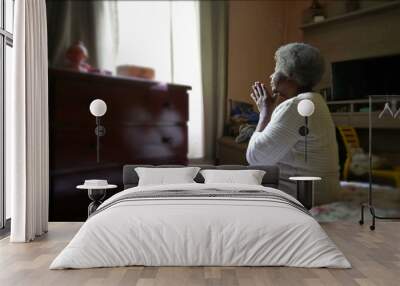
(207, 230)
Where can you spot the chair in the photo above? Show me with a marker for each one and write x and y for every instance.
(351, 142)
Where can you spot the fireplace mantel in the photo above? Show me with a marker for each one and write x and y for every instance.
(351, 15)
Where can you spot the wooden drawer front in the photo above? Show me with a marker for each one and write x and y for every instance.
(71, 99)
(142, 144)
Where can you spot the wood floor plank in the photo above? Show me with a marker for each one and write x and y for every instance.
(375, 257)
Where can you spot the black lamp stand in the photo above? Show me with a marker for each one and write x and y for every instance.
(303, 130)
(99, 131)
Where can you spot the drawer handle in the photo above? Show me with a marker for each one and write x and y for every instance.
(166, 139)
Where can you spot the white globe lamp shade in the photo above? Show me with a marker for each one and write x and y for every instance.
(98, 107)
(305, 108)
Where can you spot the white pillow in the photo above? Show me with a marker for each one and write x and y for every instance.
(164, 176)
(248, 177)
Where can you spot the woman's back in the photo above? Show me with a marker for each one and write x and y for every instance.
(281, 143)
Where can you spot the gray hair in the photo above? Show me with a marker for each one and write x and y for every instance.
(300, 62)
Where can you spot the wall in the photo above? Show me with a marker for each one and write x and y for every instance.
(294, 11)
(256, 30)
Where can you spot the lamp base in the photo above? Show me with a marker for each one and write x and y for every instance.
(100, 130)
(303, 130)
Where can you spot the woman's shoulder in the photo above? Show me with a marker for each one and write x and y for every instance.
(313, 96)
(286, 108)
(287, 104)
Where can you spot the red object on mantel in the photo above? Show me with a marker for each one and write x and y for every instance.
(146, 123)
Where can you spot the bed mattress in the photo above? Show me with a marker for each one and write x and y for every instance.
(201, 225)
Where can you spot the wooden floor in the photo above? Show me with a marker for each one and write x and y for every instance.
(375, 257)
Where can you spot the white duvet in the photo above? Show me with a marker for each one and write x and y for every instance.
(199, 231)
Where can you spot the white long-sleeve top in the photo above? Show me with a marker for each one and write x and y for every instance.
(280, 143)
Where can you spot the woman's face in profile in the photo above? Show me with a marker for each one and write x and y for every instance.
(282, 86)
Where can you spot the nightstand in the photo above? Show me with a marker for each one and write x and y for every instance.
(305, 190)
(96, 194)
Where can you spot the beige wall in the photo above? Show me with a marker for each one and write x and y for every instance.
(256, 30)
(294, 19)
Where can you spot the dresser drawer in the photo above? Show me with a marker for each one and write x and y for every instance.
(143, 104)
(141, 144)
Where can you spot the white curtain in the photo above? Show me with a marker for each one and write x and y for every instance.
(27, 146)
(172, 49)
(186, 62)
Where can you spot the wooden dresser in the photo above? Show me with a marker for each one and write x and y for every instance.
(146, 123)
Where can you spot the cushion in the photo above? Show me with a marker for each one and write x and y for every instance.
(162, 176)
(248, 177)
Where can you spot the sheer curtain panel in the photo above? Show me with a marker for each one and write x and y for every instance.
(27, 145)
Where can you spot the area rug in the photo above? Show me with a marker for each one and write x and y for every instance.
(386, 199)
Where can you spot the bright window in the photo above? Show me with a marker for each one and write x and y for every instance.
(9, 13)
(6, 43)
(165, 36)
(8, 82)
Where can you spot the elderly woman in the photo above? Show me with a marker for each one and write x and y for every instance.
(299, 68)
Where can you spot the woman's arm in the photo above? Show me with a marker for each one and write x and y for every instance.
(277, 138)
(266, 104)
(265, 118)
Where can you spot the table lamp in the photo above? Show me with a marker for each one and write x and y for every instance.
(305, 108)
(98, 108)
